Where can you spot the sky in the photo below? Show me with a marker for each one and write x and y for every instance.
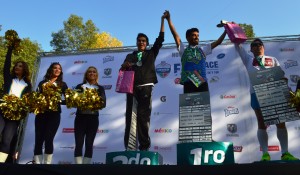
(124, 19)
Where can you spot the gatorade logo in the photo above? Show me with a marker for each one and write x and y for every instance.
(133, 160)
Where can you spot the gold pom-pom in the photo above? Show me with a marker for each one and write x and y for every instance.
(88, 100)
(48, 99)
(13, 107)
(13, 40)
(295, 99)
(36, 102)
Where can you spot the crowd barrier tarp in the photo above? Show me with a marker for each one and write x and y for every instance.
(233, 120)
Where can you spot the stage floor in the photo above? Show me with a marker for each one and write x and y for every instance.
(256, 168)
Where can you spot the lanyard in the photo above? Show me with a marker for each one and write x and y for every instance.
(259, 60)
(139, 56)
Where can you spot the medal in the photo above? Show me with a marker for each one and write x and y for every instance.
(139, 63)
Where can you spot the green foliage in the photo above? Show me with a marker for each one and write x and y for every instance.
(248, 29)
(77, 35)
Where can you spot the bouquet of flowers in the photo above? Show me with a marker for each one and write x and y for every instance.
(13, 107)
(87, 100)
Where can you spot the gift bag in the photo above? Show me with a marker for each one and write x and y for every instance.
(235, 33)
(125, 82)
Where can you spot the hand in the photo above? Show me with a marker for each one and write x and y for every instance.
(125, 65)
(166, 15)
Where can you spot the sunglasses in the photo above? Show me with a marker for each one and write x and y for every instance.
(256, 44)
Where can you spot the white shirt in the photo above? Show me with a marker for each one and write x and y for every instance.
(267, 61)
(17, 87)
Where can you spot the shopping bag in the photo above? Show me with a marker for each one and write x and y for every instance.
(235, 33)
(125, 82)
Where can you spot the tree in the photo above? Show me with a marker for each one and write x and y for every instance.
(248, 29)
(77, 35)
(104, 40)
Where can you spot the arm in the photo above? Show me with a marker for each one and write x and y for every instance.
(103, 96)
(7, 65)
(172, 28)
(298, 85)
(219, 41)
(158, 42)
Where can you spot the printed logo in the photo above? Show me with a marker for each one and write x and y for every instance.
(294, 78)
(232, 128)
(221, 55)
(177, 81)
(272, 148)
(231, 110)
(80, 62)
(237, 148)
(177, 68)
(162, 130)
(290, 63)
(287, 50)
(107, 86)
(175, 54)
(227, 96)
(107, 73)
(163, 98)
(68, 130)
(162, 148)
(212, 68)
(67, 147)
(78, 73)
(108, 58)
(269, 62)
(214, 79)
(163, 69)
(103, 131)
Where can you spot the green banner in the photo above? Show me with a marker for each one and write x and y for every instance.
(205, 153)
(134, 157)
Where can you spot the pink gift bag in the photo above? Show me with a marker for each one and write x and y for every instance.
(125, 82)
(235, 33)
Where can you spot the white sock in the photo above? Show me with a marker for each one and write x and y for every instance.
(262, 136)
(282, 136)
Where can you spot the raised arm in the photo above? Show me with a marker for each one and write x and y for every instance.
(219, 41)
(172, 28)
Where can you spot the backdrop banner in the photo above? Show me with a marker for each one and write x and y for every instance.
(233, 120)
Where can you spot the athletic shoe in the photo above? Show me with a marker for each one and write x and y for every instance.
(288, 156)
(266, 157)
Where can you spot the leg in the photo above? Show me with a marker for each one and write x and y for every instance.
(79, 126)
(282, 136)
(144, 99)
(53, 121)
(8, 133)
(129, 106)
(93, 124)
(262, 134)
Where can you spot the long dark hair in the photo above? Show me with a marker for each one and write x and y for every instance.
(49, 73)
(26, 72)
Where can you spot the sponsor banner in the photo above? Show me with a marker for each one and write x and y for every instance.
(233, 120)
